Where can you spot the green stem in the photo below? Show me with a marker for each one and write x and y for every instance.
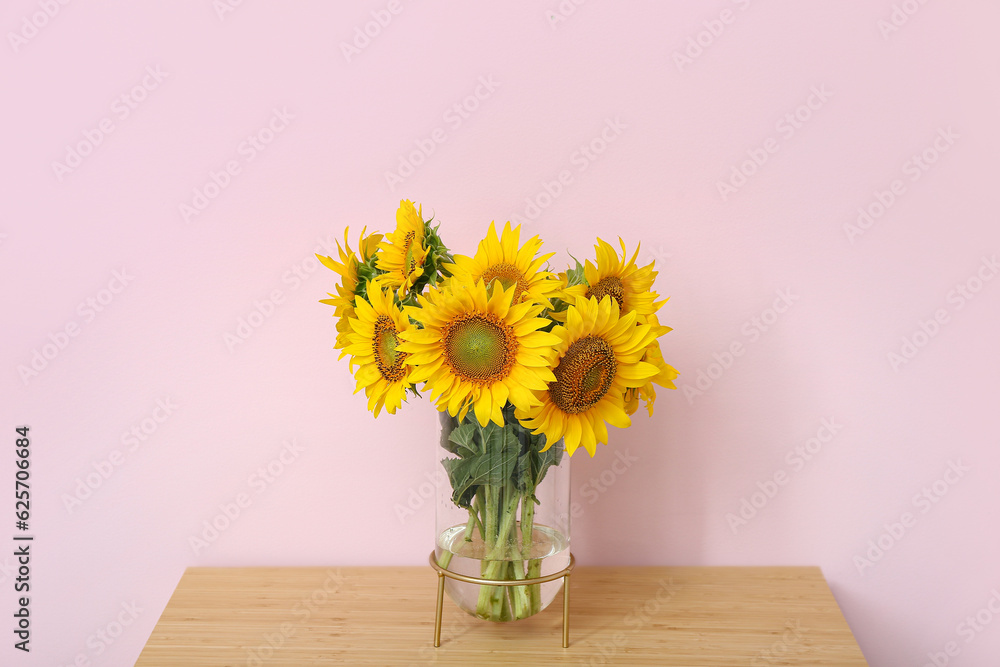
(477, 506)
(444, 560)
(492, 508)
(470, 527)
(527, 525)
(498, 598)
(521, 595)
(534, 571)
(502, 596)
(507, 521)
(484, 606)
(533, 591)
(491, 598)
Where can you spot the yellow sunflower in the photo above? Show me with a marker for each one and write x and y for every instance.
(598, 357)
(665, 373)
(478, 351)
(502, 260)
(347, 268)
(620, 278)
(403, 252)
(383, 370)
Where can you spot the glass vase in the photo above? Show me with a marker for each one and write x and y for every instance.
(502, 513)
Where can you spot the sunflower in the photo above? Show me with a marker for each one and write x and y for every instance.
(598, 357)
(477, 351)
(625, 282)
(347, 267)
(664, 377)
(403, 251)
(383, 370)
(502, 260)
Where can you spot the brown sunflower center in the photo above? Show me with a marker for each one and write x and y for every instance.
(479, 347)
(583, 375)
(507, 275)
(610, 286)
(384, 341)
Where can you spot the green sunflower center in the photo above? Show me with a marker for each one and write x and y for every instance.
(479, 347)
(409, 262)
(610, 286)
(507, 275)
(384, 341)
(583, 375)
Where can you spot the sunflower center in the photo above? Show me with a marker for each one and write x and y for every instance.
(479, 347)
(408, 260)
(610, 286)
(384, 341)
(507, 275)
(584, 375)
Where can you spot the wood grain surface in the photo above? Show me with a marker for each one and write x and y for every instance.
(691, 616)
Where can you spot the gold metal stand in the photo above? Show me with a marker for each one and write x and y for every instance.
(442, 573)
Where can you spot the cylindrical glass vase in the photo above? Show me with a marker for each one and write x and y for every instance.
(502, 514)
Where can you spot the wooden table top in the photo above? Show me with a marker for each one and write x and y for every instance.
(691, 616)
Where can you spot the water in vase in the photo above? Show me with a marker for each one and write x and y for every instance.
(545, 553)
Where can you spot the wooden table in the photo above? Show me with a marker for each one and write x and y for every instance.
(689, 616)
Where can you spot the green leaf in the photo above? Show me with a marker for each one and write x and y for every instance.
(487, 456)
(447, 428)
(500, 450)
(463, 439)
(524, 477)
(462, 482)
(576, 275)
(542, 461)
(500, 456)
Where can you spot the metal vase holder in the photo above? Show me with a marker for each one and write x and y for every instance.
(442, 573)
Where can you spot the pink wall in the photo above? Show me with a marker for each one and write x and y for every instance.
(198, 81)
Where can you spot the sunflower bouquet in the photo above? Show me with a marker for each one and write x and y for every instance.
(523, 364)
